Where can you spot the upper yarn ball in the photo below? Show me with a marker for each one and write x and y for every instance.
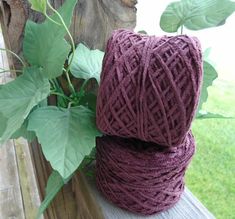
(149, 87)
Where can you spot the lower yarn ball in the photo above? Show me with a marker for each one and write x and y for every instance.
(139, 176)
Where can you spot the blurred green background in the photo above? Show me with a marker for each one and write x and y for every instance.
(211, 175)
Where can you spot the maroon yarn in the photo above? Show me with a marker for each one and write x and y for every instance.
(139, 176)
(149, 87)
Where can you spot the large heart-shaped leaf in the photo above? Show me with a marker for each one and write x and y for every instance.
(66, 135)
(18, 97)
(3, 124)
(87, 63)
(39, 5)
(196, 14)
(54, 184)
(44, 44)
(209, 76)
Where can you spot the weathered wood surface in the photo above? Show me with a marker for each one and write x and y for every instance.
(64, 205)
(93, 21)
(29, 188)
(87, 206)
(11, 205)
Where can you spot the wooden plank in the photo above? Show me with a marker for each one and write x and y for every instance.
(64, 204)
(29, 189)
(4, 63)
(85, 200)
(11, 205)
(188, 207)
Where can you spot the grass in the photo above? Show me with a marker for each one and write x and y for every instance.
(211, 175)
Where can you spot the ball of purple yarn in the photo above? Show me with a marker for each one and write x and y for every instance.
(149, 87)
(142, 177)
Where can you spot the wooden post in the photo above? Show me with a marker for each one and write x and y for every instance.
(92, 23)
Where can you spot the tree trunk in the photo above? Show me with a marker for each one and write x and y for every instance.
(92, 24)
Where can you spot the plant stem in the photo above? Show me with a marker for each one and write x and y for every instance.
(181, 29)
(8, 70)
(56, 85)
(70, 83)
(51, 20)
(73, 48)
(53, 84)
(61, 95)
(83, 85)
(82, 88)
(11, 52)
(59, 92)
(81, 91)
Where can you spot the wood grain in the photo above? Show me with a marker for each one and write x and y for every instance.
(64, 204)
(29, 189)
(11, 205)
(87, 206)
(92, 23)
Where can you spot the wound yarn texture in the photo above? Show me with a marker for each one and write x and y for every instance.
(149, 87)
(142, 177)
(149, 91)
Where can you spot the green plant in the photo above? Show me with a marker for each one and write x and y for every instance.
(67, 131)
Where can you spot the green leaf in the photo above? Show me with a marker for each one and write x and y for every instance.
(66, 135)
(18, 97)
(87, 63)
(209, 76)
(207, 115)
(142, 32)
(54, 185)
(206, 53)
(196, 14)
(23, 132)
(44, 44)
(39, 5)
(3, 125)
